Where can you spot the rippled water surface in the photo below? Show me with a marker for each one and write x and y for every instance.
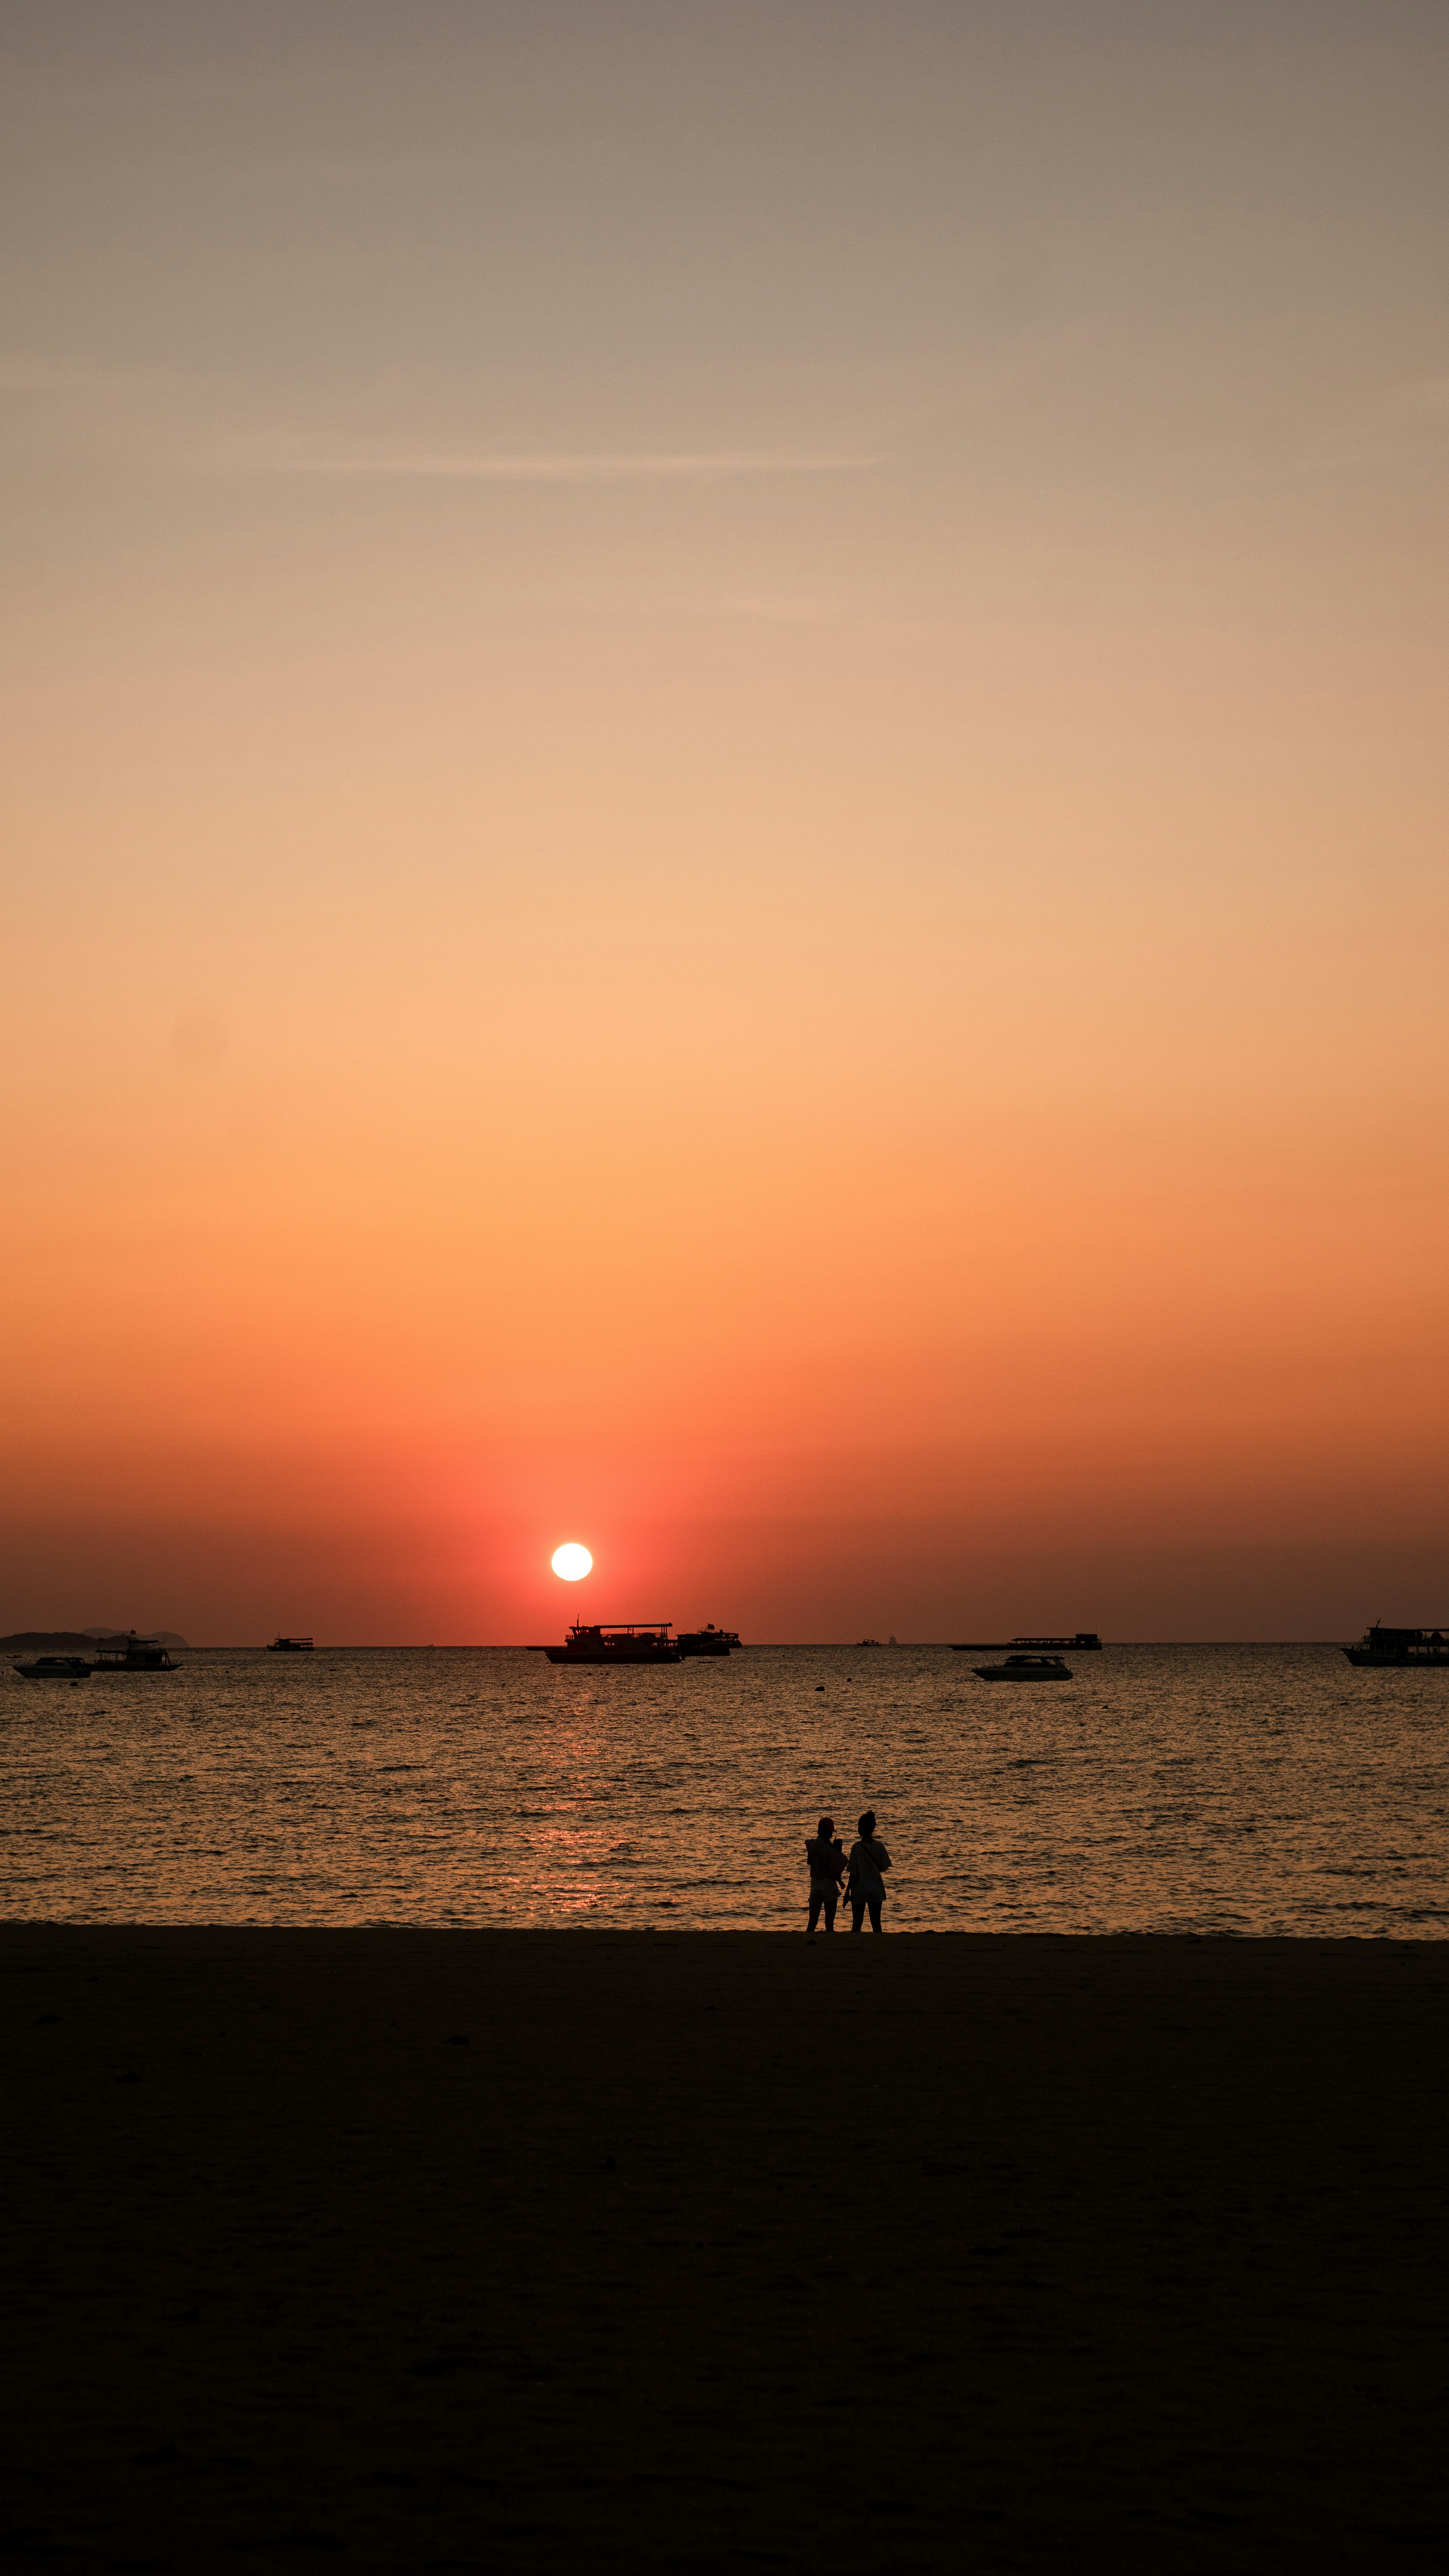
(1217, 1788)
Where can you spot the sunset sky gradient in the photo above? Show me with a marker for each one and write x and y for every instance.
(725, 805)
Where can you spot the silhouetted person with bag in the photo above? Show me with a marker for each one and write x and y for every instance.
(869, 1860)
(826, 1862)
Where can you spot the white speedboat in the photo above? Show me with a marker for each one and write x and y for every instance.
(55, 1668)
(1026, 1668)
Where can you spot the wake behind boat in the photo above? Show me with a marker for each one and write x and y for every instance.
(641, 1641)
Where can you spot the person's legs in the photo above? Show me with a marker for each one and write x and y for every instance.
(830, 1913)
(814, 1912)
(857, 1909)
(874, 1903)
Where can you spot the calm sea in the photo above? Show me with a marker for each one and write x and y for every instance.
(1183, 1788)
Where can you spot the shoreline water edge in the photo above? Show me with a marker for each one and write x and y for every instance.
(1247, 1790)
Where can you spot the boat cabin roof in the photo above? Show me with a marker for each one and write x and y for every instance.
(621, 1627)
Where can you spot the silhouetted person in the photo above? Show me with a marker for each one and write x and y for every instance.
(868, 1860)
(826, 1863)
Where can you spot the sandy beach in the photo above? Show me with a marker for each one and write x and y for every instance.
(457, 2250)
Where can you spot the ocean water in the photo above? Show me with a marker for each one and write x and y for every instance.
(1211, 1789)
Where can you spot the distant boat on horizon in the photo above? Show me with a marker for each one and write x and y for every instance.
(1085, 1642)
(1401, 1649)
(292, 1646)
(133, 1654)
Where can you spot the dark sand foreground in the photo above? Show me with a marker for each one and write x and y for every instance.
(449, 2250)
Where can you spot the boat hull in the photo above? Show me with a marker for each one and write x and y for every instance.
(28, 1673)
(1366, 1661)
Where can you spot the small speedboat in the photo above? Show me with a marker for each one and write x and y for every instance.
(55, 1668)
(1025, 1668)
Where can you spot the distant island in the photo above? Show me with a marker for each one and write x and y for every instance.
(77, 1640)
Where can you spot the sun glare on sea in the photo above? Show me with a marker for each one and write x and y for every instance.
(572, 1562)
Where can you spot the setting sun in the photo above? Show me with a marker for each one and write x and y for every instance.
(572, 1562)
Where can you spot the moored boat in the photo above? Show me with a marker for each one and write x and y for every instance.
(291, 1646)
(133, 1654)
(1085, 1642)
(707, 1641)
(1026, 1668)
(1401, 1649)
(55, 1668)
(639, 1641)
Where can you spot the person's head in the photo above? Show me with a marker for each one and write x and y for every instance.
(826, 1828)
(865, 1825)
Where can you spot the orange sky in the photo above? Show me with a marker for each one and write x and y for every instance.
(724, 802)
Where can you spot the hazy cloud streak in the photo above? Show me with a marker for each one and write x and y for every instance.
(559, 468)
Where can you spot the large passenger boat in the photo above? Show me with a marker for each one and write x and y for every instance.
(641, 1641)
(290, 1646)
(1414, 1649)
